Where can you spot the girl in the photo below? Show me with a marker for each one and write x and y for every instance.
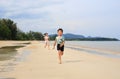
(46, 38)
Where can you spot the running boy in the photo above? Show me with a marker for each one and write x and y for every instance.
(60, 44)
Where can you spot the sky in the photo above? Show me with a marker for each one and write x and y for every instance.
(84, 17)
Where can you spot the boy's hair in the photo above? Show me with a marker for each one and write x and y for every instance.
(60, 29)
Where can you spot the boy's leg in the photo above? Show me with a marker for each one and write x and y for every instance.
(62, 53)
(59, 56)
(62, 50)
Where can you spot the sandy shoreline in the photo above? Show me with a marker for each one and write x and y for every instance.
(12, 43)
(42, 63)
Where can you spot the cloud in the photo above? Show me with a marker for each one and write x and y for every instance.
(89, 17)
(19, 7)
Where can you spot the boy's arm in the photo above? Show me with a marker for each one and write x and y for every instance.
(62, 44)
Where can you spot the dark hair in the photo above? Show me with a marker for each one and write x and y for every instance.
(60, 29)
(45, 33)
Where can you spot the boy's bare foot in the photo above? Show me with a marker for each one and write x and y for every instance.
(60, 62)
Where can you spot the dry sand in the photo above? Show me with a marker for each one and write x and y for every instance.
(42, 63)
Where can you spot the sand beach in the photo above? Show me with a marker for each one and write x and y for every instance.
(41, 63)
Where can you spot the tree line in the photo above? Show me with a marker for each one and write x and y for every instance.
(10, 31)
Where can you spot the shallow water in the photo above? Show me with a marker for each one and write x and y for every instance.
(112, 46)
(7, 56)
(103, 53)
(104, 48)
(10, 57)
(8, 52)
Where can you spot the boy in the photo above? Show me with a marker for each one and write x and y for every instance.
(60, 44)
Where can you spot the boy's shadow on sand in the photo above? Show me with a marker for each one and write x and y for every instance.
(73, 61)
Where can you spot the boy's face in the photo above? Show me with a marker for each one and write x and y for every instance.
(60, 33)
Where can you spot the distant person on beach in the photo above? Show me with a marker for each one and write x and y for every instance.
(60, 44)
(46, 38)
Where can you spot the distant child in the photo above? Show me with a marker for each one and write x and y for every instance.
(60, 44)
(46, 38)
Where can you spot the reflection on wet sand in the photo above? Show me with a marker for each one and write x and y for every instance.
(7, 55)
(8, 52)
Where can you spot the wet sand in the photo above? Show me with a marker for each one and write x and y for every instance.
(42, 63)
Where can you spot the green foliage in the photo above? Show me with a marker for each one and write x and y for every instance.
(21, 35)
(37, 35)
(9, 31)
(5, 32)
(34, 35)
(29, 35)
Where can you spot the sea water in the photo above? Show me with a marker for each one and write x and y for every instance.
(106, 48)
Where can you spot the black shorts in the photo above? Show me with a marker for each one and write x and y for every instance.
(60, 48)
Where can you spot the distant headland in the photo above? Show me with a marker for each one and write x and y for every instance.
(75, 37)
